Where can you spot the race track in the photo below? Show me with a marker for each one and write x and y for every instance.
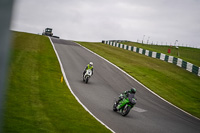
(151, 114)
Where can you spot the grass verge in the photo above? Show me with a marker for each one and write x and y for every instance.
(36, 100)
(188, 54)
(171, 82)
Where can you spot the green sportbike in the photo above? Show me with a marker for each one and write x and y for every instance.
(125, 104)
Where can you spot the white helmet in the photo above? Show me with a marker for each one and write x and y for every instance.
(91, 63)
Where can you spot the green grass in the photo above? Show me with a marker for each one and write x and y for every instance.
(36, 100)
(171, 82)
(191, 55)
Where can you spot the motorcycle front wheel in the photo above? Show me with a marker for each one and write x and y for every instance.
(86, 80)
(126, 110)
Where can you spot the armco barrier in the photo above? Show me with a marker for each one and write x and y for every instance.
(177, 61)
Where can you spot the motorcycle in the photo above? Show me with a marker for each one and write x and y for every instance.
(87, 75)
(125, 105)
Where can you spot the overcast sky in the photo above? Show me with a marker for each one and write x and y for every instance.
(160, 21)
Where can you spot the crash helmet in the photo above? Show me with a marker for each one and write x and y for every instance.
(91, 63)
(133, 90)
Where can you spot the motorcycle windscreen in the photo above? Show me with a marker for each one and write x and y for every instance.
(89, 72)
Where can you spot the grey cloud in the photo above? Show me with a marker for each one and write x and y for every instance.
(94, 20)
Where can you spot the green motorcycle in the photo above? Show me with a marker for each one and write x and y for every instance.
(125, 105)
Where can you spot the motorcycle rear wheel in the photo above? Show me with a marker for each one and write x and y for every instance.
(115, 107)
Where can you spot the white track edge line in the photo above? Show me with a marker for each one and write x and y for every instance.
(63, 72)
(140, 83)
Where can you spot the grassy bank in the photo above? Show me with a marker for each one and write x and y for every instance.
(36, 100)
(191, 55)
(171, 82)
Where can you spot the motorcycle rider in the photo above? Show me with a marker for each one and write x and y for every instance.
(89, 66)
(126, 94)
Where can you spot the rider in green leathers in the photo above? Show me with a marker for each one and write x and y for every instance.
(126, 94)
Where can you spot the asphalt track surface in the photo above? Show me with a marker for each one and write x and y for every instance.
(151, 114)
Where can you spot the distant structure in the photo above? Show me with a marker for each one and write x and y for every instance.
(48, 32)
(117, 41)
